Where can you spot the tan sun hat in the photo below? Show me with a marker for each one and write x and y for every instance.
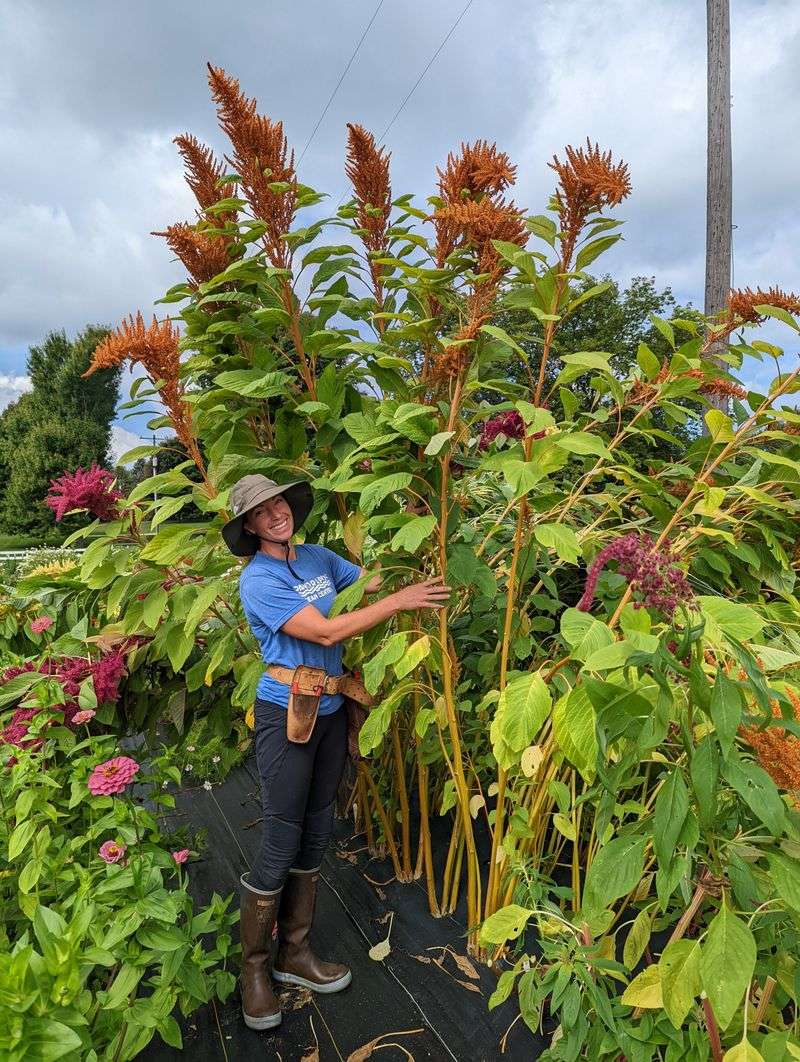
(251, 491)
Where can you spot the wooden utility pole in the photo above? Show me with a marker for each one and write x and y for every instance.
(719, 206)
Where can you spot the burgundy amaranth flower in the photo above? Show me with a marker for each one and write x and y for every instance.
(41, 624)
(661, 584)
(84, 489)
(106, 673)
(113, 776)
(71, 671)
(181, 856)
(16, 732)
(509, 424)
(111, 852)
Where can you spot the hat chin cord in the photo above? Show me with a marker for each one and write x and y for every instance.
(286, 546)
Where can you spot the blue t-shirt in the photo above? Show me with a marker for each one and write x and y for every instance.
(271, 595)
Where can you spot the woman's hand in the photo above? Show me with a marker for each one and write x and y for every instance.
(432, 593)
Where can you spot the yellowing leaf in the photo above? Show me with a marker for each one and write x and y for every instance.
(742, 1052)
(645, 990)
(380, 950)
(530, 762)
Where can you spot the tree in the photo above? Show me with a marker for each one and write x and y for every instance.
(63, 423)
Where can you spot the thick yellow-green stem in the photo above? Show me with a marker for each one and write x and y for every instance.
(384, 820)
(448, 693)
(402, 795)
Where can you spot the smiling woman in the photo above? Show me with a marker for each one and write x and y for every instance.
(300, 728)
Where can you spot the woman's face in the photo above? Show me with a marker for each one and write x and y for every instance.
(271, 519)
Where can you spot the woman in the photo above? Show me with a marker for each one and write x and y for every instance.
(287, 592)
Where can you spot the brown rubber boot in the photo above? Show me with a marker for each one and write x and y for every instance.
(296, 963)
(258, 913)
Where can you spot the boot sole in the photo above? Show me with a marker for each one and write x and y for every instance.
(301, 982)
(259, 1024)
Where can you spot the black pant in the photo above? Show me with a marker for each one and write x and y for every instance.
(298, 786)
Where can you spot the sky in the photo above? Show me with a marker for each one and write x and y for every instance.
(93, 92)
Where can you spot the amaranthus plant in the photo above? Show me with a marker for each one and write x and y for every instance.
(594, 714)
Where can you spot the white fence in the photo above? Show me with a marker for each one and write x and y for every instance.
(20, 554)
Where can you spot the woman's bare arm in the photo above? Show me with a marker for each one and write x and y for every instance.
(374, 585)
(309, 625)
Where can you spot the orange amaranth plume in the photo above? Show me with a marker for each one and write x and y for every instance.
(262, 158)
(203, 255)
(473, 214)
(367, 167)
(478, 171)
(155, 348)
(717, 386)
(588, 181)
(203, 171)
(742, 302)
(777, 750)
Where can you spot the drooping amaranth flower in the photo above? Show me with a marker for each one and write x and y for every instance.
(112, 777)
(85, 488)
(660, 584)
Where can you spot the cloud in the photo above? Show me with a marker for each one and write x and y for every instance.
(123, 440)
(93, 94)
(11, 387)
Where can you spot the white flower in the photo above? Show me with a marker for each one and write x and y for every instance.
(215, 759)
(190, 748)
(189, 767)
(207, 785)
(164, 785)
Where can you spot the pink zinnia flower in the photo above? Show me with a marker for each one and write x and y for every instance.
(41, 624)
(181, 857)
(113, 776)
(111, 852)
(661, 584)
(83, 716)
(84, 489)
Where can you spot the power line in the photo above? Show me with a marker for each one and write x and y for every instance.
(417, 83)
(431, 61)
(341, 79)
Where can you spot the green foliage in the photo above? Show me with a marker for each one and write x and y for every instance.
(640, 834)
(95, 956)
(63, 423)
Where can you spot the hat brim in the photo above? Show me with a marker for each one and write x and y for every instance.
(300, 500)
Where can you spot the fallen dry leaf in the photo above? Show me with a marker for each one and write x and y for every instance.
(380, 950)
(469, 985)
(422, 958)
(465, 966)
(366, 1051)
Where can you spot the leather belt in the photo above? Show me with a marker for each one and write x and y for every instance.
(348, 685)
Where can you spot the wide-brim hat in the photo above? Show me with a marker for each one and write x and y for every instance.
(251, 491)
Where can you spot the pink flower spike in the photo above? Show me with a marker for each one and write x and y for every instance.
(111, 852)
(41, 624)
(85, 488)
(181, 857)
(83, 716)
(113, 776)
